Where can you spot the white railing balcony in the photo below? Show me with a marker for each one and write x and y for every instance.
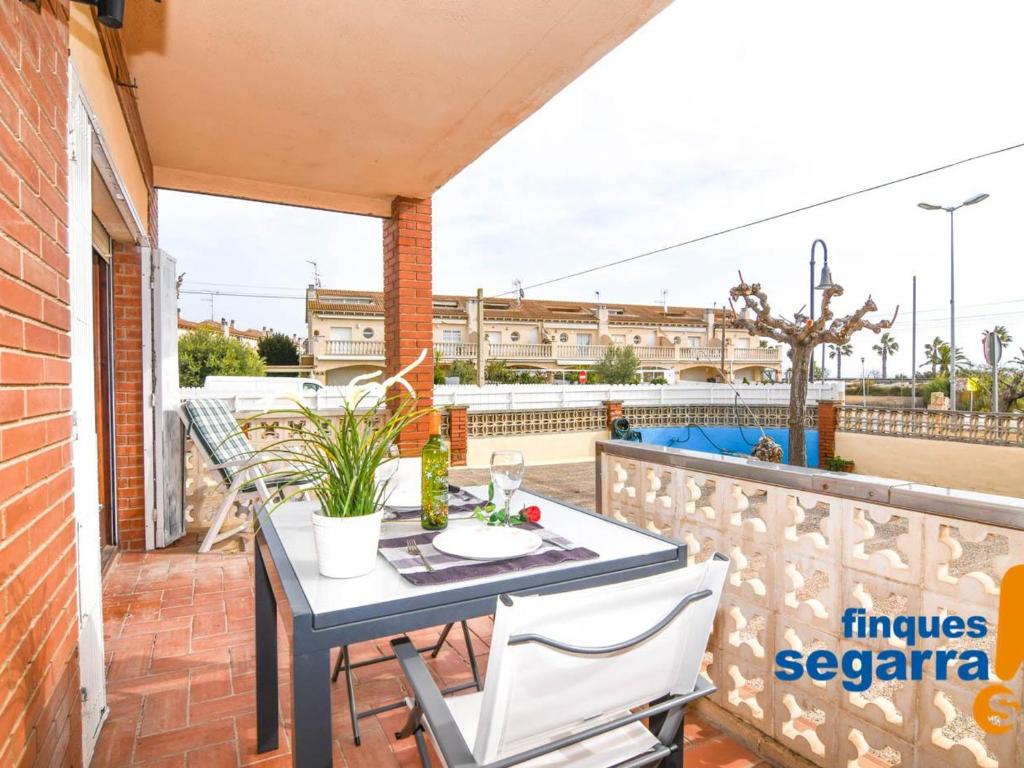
(357, 349)
(582, 352)
(757, 355)
(455, 350)
(666, 354)
(702, 354)
(511, 351)
(564, 353)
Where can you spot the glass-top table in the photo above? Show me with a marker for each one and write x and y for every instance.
(320, 613)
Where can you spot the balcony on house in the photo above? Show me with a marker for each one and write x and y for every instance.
(449, 351)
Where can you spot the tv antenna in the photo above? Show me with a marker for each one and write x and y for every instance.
(209, 299)
(316, 273)
(520, 293)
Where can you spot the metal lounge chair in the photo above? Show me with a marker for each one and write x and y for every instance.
(567, 673)
(227, 451)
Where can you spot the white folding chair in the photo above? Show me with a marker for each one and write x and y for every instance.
(242, 469)
(568, 671)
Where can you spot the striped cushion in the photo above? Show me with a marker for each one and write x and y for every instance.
(218, 432)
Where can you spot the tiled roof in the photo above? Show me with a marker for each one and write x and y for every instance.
(213, 325)
(362, 303)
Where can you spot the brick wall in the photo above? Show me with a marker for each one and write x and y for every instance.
(458, 436)
(613, 411)
(127, 286)
(40, 720)
(408, 305)
(826, 431)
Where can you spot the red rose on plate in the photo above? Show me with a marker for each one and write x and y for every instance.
(532, 514)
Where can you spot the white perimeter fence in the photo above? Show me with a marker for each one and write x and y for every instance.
(537, 397)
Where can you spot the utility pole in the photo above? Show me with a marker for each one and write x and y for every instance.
(481, 339)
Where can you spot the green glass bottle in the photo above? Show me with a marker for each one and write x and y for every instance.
(434, 516)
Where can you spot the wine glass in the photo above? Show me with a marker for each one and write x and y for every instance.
(383, 476)
(507, 469)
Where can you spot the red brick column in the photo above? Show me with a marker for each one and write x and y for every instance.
(612, 411)
(826, 431)
(408, 305)
(128, 405)
(458, 437)
(40, 707)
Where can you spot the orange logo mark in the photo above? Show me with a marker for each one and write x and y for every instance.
(994, 706)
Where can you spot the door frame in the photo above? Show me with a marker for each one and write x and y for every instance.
(87, 149)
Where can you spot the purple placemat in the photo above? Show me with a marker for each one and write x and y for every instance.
(449, 569)
(461, 503)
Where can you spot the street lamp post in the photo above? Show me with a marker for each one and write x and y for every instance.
(825, 282)
(951, 209)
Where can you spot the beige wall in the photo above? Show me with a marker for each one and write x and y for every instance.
(554, 448)
(321, 326)
(88, 59)
(986, 468)
(344, 374)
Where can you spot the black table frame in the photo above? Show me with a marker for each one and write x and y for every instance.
(311, 636)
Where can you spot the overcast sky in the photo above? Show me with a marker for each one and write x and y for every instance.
(712, 115)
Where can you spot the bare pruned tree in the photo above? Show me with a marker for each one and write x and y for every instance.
(802, 335)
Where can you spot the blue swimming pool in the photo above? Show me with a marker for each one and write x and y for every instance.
(725, 440)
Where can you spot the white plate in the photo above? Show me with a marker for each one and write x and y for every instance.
(486, 542)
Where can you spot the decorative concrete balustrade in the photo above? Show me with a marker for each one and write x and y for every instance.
(962, 426)
(805, 545)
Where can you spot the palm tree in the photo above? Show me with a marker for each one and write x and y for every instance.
(886, 346)
(943, 361)
(932, 353)
(838, 352)
(1003, 335)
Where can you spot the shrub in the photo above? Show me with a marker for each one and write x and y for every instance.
(205, 353)
(839, 464)
(618, 366)
(278, 349)
(465, 370)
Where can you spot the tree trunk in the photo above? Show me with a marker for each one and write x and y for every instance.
(797, 403)
(839, 365)
(884, 359)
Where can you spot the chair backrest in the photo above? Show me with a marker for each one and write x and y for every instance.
(217, 431)
(650, 636)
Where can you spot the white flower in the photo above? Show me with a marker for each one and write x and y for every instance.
(356, 394)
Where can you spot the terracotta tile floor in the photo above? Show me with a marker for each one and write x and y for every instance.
(179, 642)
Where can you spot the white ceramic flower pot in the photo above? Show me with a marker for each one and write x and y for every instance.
(346, 546)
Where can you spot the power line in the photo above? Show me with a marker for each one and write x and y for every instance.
(982, 304)
(764, 220)
(244, 295)
(237, 285)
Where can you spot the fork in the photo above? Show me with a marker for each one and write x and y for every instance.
(413, 549)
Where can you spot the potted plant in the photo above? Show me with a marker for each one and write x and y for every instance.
(839, 464)
(338, 459)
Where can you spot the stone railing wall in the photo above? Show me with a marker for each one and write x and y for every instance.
(523, 422)
(675, 415)
(805, 545)
(501, 423)
(960, 426)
